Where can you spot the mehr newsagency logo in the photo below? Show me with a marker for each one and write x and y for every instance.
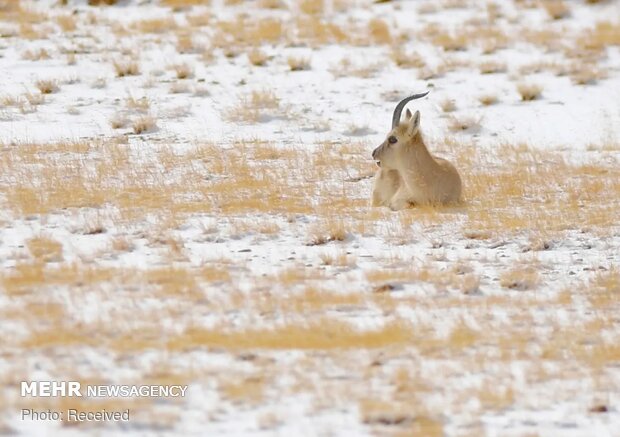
(77, 389)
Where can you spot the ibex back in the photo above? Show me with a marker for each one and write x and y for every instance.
(408, 173)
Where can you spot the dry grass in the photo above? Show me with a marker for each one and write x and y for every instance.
(141, 104)
(119, 121)
(529, 91)
(45, 249)
(312, 7)
(587, 74)
(67, 23)
(548, 39)
(32, 99)
(316, 32)
(155, 25)
(257, 57)
(492, 67)
(407, 60)
(296, 307)
(180, 88)
(462, 122)
(47, 86)
(187, 43)
(447, 105)
(185, 3)
(199, 19)
(488, 99)
(244, 32)
(327, 231)
(144, 124)
(261, 106)
(451, 42)
(604, 34)
(146, 196)
(298, 63)
(320, 335)
(520, 278)
(126, 67)
(347, 68)
(556, 9)
(247, 390)
(36, 55)
(183, 71)
(379, 31)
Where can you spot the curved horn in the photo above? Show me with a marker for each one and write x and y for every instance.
(401, 105)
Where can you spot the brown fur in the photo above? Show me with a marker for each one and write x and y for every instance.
(409, 174)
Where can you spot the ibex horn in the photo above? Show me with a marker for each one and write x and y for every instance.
(401, 105)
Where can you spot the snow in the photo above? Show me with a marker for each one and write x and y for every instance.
(484, 359)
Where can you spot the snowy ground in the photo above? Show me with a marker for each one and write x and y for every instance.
(185, 193)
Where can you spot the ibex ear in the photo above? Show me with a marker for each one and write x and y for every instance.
(414, 124)
(407, 114)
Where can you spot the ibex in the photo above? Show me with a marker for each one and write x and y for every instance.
(408, 174)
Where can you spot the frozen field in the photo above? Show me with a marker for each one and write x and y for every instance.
(184, 192)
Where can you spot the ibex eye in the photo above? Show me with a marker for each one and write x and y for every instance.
(392, 139)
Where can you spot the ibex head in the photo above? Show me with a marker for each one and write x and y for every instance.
(400, 134)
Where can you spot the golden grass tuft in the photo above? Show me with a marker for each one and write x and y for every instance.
(451, 42)
(36, 55)
(587, 74)
(346, 68)
(141, 104)
(243, 390)
(447, 105)
(405, 59)
(66, 22)
(529, 91)
(604, 289)
(462, 122)
(257, 57)
(32, 99)
(492, 67)
(298, 63)
(183, 71)
(59, 336)
(520, 278)
(180, 88)
(187, 43)
(328, 230)
(118, 121)
(488, 99)
(144, 124)
(243, 32)
(312, 7)
(315, 32)
(604, 34)
(261, 106)
(45, 249)
(556, 9)
(609, 280)
(323, 334)
(126, 67)
(376, 412)
(185, 3)
(379, 31)
(199, 19)
(155, 25)
(47, 86)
